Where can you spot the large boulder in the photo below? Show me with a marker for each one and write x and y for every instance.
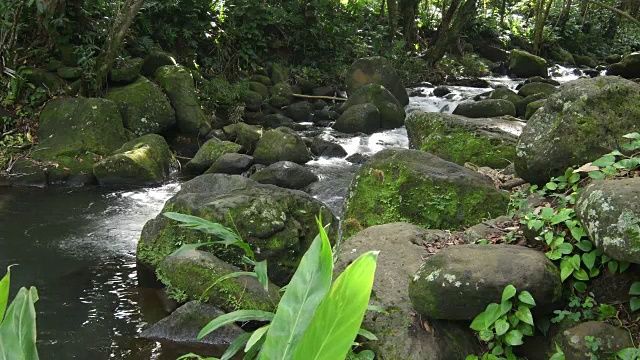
(326, 147)
(279, 224)
(184, 324)
(505, 94)
(361, 118)
(521, 106)
(146, 160)
(155, 60)
(482, 142)
(532, 107)
(524, 64)
(583, 121)
(232, 164)
(458, 282)
(536, 88)
(610, 213)
(208, 153)
(127, 71)
(177, 82)
(611, 339)
(628, 68)
(493, 53)
(300, 111)
(286, 174)
(252, 100)
(420, 188)
(281, 95)
(401, 334)
(376, 70)
(391, 110)
(144, 108)
(192, 275)
(244, 134)
(281, 144)
(486, 108)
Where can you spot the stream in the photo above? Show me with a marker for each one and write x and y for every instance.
(77, 246)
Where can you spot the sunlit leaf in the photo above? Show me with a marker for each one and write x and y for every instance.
(240, 315)
(255, 337)
(18, 329)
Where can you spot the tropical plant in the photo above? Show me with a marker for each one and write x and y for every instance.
(635, 299)
(18, 324)
(503, 326)
(315, 319)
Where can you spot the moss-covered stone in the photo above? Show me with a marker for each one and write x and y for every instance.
(281, 144)
(585, 60)
(279, 224)
(146, 160)
(392, 113)
(208, 153)
(505, 94)
(419, 188)
(144, 107)
(155, 60)
(379, 71)
(281, 95)
(532, 107)
(279, 73)
(583, 121)
(300, 111)
(262, 79)
(177, 82)
(533, 88)
(260, 88)
(43, 78)
(485, 108)
(524, 64)
(126, 72)
(628, 68)
(193, 273)
(562, 56)
(361, 118)
(245, 135)
(521, 106)
(482, 142)
(611, 339)
(69, 55)
(69, 73)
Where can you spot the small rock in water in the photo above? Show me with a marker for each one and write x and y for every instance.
(441, 91)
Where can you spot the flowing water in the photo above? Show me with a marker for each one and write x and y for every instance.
(77, 246)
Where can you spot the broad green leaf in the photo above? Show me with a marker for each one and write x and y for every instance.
(494, 312)
(580, 286)
(240, 315)
(565, 272)
(635, 304)
(223, 278)
(525, 329)
(635, 288)
(253, 351)
(524, 314)
(306, 290)
(565, 248)
(559, 355)
(513, 338)
(261, 271)
(235, 346)
(589, 259)
(366, 355)
(547, 213)
(508, 292)
(479, 323)
(4, 293)
(596, 175)
(584, 245)
(551, 186)
(486, 335)
(594, 272)
(18, 330)
(624, 265)
(606, 311)
(604, 161)
(338, 317)
(613, 266)
(498, 350)
(501, 327)
(367, 334)
(471, 357)
(196, 356)
(574, 261)
(581, 275)
(505, 307)
(526, 298)
(194, 246)
(255, 337)
(628, 354)
(633, 136)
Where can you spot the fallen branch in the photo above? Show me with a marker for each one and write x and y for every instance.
(319, 97)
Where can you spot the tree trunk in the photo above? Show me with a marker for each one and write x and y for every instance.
(458, 15)
(564, 15)
(541, 19)
(110, 48)
(408, 10)
(392, 8)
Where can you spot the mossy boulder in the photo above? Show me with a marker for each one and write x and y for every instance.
(154, 60)
(521, 106)
(281, 144)
(401, 335)
(493, 53)
(245, 135)
(482, 142)
(420, 188)
(177, 82)
(286, 174)
(532, 107)
(533, 88)
(127, 71)
(392, 113)
(575, 347)
(610, 213)
(279, 73)
(45, 79)
(583, 121)
(300, 111)
(208, 153)
(252, 100)
(376, 70)
(190, 274)
(260, 88)
(504, 93)
(26, 172)
(561, 56)
(486, 108)
(262, 79)
(69, 73)
(457, 283)
(281, 95)
(585, 60)
(524, 64)
(232, 164)
(146, 160)
(361, 118)
(144, 107)
(325, 146)
(278, 222)
(628, 68)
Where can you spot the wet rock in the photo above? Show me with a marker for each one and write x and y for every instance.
(299, 112)
(155, 60)
(277, 120)
(505, 94)
(485, 108)
(610, 212)
(361, 118)
(540, 79)
(583, 121)
(614, 58)
(483, 142)
(279, 73)
(628, 67)
(281, 95)
(146, 160)
(521, 106)
(532, 107)
(25, 172)
(184, 324)
(357, 158)
(376, 70)
(562, 56)
(584, 60)
(231, 163)
(286, 174)
(441, 91)
(391, 111)
(252, 100)
(458, 282)
(280, 222)
(260, 88)
(281, 144)
(208, 153)
(524, 64)
(319, 104)
(493, 53)
(69, 73)
(537, 88)
(469, 82)
(326, 148)
(323, 91)
(574, 345)
(262, 79)
(144, 107)
(127, 71)
(421, 188)
(177, 82)
(401, 334)
(245, 135)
